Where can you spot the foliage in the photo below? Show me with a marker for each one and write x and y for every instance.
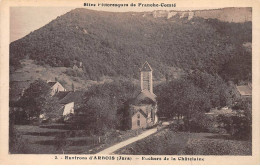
(114, 44)
(17, 144)
(217, 91)
(181, 98)
(192, 96)
(244, 105)
(36, 100)
(237, 126)
(75, 73)
(198, 123)
(101, 104)
(220, 93)
(239, 68)
(50, 107)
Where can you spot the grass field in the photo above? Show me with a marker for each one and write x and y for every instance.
(168, 142)
(58, 139)
(61, 139)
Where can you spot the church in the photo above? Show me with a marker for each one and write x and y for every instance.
(142, 109)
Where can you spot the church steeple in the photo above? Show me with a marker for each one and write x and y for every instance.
(146, 77)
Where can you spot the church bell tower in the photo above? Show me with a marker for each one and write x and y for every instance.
(146, 77)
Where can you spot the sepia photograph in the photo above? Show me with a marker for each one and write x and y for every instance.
(129, 82)
(153, 82)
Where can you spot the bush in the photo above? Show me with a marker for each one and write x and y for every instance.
(101, 109)
(18, 117)
(33, 100)
(74, 73)
(239, 127)
(17, 144)
(177, 127)
(194, 125)
(181, 98)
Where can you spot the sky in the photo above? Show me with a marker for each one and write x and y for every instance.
(24, 20)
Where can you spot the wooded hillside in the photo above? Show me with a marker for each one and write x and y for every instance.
(116, 44)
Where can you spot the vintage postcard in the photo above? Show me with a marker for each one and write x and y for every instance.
(130, 82)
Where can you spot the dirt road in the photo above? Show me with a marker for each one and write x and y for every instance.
(115, 147)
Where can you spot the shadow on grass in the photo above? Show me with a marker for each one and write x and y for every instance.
(226, 137)
(49, 142)
(43, 133)
(56, 142)
(220, 136)
(62, 127)
(81, 143)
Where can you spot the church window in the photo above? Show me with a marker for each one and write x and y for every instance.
(138, 122)
(138, 115)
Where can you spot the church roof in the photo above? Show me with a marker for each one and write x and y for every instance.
(144, 97)
(146, 67)
(145, 93)
(141, 111)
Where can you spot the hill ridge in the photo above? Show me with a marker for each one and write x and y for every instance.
(114, 44)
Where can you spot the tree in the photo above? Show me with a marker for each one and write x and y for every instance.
(104, 113)
(209, 45)
(50, 107)
(220, 94)
(34, 98)
(237, 126)
(102, 103)
(181, 98)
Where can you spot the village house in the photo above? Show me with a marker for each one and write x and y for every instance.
(69, 102)
(143, 108)
(77, 65)
(56, 87)
(245, 91)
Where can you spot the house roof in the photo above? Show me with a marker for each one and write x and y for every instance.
(75, 97)
(144, 97)
(61, 94)
(51, 83)
(244, 90)
(146, 67)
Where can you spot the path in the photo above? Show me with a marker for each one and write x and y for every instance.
(122, 144)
